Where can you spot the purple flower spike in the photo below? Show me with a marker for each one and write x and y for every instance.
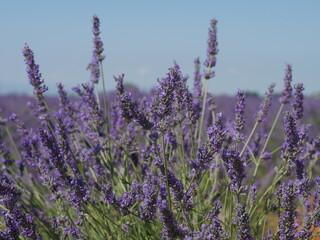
(288, 193)
(253, 195)
(261, 115)
(287, 90)
(108, 195)
(16, 221)
(235, 169)
(36, 81)
(174, 182)
(291, 139)
(95, 69)
(243, 224)
(98, 45)
(162, 103)
(171, 229)
(129, 108)
(298, 101)
(34, 75)
(212, 50)
(148, 210)
(97, 56)
(239, 111)
(197, 79)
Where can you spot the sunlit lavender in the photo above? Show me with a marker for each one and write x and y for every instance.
(177, 162)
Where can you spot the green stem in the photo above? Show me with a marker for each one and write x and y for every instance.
(249, 138)
(258, 163)
(12, 142)
(182, 155)
(166, 172)
(203, 111)
(105, 98)
(272, 128)
(97, 95)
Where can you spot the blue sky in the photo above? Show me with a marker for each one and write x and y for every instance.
(143, 38)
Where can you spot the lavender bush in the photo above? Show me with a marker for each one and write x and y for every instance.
(165, 165)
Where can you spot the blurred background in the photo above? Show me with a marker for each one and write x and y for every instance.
(143, 38)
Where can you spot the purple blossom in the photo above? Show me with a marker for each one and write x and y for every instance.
(53, 151)
(288, 194)
(212, 232)
(171, 229)
(243, 222)
(216, 135)
(261, 115)
(239, 111)
(291, 139)
(174, 182)
(66, 107)
(235, 168)
(108, 195)
(212, 50)
(305, 232)
(79, 191)
(298, 101)
(253, 195)
(129, 198)
(98, 45)
(165, 93)
(129, 109)
(36, 81)
(287, 90)
(92, 107)
(16, 221)
(214, 211)
(148, 210)
(313, 147)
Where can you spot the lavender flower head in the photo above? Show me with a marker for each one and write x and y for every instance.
(298, 101)
(34, 75)
(287, 193)
(216, 135)
(235, 169)
(253, 195)
(36, 81)
(162, 103)
(291, 139)
(197, 79)
(98, 45)
(243, 222)
(239, 115)
(287, 90)
(212, 50)
(171, 229)
(97, 56)
(148, 210)
(265, 105)
(129, 108)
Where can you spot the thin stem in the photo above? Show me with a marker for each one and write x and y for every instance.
(182, 154)
(97, 95)
(105, 97)
(13, 143)
(249, 138)
(203, 111)
(272, 128)
(166, 172)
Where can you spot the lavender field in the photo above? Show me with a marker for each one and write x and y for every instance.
(177, 162)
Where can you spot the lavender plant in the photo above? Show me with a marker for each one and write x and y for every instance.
(165, 165)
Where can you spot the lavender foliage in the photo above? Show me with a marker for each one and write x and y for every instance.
(73, 169)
